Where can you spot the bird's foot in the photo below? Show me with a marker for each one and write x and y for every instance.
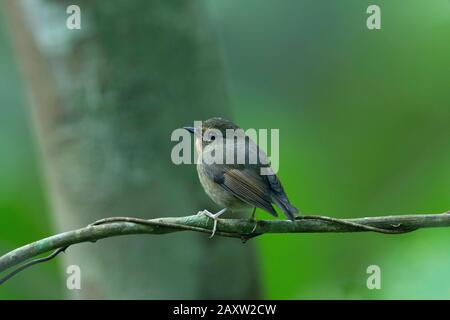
(251, 234)
(214, 217)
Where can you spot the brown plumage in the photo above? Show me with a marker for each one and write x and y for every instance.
(237, 185)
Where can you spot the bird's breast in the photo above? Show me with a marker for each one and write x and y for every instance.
(219, 195)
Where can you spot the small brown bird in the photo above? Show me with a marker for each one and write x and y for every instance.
(235, 184)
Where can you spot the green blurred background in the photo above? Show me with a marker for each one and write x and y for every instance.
(364, 127)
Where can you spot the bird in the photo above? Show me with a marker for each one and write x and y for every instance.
(236, 185)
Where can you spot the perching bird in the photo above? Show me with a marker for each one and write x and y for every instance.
(231, 183)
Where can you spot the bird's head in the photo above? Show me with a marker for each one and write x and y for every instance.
(210, 130)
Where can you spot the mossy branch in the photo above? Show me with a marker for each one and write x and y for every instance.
(234, 228)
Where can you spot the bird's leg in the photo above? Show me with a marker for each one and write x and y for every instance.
(251, 234)
(252, 218)
(214, 216)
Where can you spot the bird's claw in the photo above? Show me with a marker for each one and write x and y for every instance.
(248, 235)
(214, 217)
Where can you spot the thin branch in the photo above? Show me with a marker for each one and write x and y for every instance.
(32, 263)
(233, 228)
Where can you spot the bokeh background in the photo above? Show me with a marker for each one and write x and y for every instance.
(364, 127)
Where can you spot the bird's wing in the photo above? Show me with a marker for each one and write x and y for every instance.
(244, 183)
(271, 180)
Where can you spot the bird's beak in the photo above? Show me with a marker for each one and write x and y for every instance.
(190, 129)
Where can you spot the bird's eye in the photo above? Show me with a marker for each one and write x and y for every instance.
(213, 137)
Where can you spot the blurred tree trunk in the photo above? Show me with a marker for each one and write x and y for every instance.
(106, 99)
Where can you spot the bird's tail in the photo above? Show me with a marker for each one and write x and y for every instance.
(285, 206)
